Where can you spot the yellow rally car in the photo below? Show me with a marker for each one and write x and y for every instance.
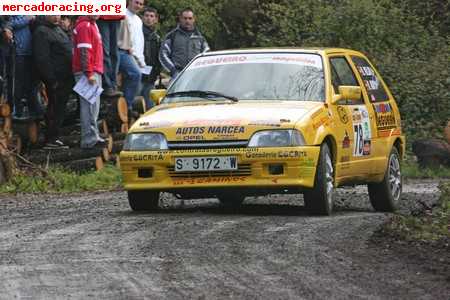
(256, 122)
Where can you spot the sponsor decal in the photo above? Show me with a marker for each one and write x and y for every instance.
(362, 131)
(210, 122)
(367, 147)
(142, 157)
(385, 116)
(307, 171)
(292, 154)
(210, 180)
(346, 141)
(265, 155)
(210, 130)
(322, 122)
(156, 124)
(343, 116)
(308, 162)
(262, 58)
(216, 151)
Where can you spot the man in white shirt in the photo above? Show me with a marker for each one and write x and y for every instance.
(132, 60)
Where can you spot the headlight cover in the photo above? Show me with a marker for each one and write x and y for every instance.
(145, 142)
(277, 138)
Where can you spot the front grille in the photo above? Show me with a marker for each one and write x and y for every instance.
(207, 144)
(243, 170)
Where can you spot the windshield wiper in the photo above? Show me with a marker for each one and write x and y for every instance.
(201, 94)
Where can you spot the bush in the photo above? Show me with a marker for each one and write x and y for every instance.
(407, 40)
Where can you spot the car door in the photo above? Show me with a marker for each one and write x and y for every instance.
(381, 107)
(353, 129)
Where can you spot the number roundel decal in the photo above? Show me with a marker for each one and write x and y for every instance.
(362, 132)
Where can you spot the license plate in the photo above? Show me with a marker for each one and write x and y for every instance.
(208, 163)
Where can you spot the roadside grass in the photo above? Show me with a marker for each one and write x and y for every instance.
(411, 170)
(58, 180)
(431, 226)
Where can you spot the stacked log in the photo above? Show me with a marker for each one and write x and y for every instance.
(9, 143)
(114, 110)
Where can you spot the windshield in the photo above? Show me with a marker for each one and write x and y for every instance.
(268, 76)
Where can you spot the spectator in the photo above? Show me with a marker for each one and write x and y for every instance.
(66, 25)
(19, 64)
(152, 43)
(182, 44)
(88, 61)
(108, 26)
(5, 39)
(131, 51)
(52, 55)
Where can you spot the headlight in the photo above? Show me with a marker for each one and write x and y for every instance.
(145, 142)
(277, 138)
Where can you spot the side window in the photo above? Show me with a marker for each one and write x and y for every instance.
(341, 74)
(374, 87)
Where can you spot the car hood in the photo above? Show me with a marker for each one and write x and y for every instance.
(222, 121)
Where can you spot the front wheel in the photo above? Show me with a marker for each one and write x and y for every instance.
(385, 195)
(320, 199)
(145, 200)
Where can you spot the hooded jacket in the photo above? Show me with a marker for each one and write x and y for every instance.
(88, 49)
(52, 52)
(22, 34)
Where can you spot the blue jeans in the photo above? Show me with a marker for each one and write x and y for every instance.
(108, 30)
(131, 76)
(145, 92)
(88, 117)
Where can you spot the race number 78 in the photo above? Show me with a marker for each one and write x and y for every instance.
(359, 140)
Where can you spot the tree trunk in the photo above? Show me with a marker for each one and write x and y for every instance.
(84, 165)
(63, 155)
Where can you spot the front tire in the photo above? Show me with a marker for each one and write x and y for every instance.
(385, 195)
(145, 200)
(320, 199)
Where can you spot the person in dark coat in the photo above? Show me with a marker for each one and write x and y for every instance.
(182, 44)
(152, 43)
(52, 55)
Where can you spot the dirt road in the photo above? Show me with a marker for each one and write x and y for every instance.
(93, 246)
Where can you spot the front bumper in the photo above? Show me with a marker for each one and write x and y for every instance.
(155, 169)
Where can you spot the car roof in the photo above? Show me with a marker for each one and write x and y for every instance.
(317, 50)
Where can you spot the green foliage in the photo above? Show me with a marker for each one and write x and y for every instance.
(431, 226)
(407, 40)
(411, 170)
(58, 180)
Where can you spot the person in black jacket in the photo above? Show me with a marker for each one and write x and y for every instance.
(52, 55)
(182, 44)
(152, 43)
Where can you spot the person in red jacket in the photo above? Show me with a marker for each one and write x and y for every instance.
(109, 26)
(88, 61)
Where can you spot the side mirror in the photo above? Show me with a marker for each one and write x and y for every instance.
(352, 93)
(157, 96)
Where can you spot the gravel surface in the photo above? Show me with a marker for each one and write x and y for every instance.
(92, 246)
